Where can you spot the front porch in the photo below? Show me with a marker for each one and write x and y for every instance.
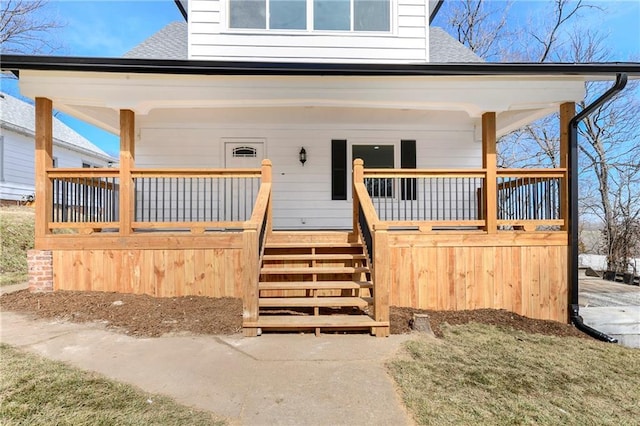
(447, 239)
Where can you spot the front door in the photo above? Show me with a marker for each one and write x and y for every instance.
(376, 157)
(238, 193)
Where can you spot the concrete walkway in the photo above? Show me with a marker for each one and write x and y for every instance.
(269, 380)
(612, 308)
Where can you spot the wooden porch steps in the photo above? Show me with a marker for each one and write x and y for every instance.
(315, 285)
(320, 270)
(310, 321)
(321, 302)
(332, 256)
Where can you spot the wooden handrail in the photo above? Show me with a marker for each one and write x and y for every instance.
(195, 173)
(416, 173)
(67, 173)
(260, 207)
(368, 209)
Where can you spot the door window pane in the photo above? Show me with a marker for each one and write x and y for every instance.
(248, 14)
(332, 15)
(371, 15)
(288, 14)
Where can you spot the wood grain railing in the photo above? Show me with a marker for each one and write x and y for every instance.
(255, 234)
(195, 200)
(530, 198)
(456, 199)
(373, 233)
(427, 199)
(83, 199)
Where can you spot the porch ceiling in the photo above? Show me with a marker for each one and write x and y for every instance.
(97, 97)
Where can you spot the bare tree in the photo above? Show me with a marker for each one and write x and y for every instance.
(26, 27)
(609, 138)
(479, 25)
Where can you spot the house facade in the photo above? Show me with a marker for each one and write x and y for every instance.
(313, 162)
(17, 166)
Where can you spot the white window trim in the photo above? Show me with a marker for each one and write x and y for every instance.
(225, 16)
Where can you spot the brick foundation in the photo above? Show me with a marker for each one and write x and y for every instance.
(40, 270)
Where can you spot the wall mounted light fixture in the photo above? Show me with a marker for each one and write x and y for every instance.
(303, 155)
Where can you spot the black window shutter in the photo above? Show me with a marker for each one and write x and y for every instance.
(408, 187)
(338, 169)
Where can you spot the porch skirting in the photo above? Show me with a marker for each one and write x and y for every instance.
(521, 272)
(163, 273)
(530, 280)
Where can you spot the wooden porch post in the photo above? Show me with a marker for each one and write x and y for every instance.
(567, 112)
(250, 276)
(489, 162)
(357, 177)
(267, 177)
(127, 162)
(43, 161)
(381, 279)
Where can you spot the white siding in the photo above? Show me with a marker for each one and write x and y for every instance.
(18, 164)
(407, 42)
(302, 194)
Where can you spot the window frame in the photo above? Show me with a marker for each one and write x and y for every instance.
(310, 27)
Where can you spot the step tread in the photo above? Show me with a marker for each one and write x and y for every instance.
(323, 302)
(311, 245)
(309, 256)
(316, 270)
(295, 321)
(322, 285)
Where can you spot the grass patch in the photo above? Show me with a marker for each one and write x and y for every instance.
(17, 231)
(34, 390)
(483, 375)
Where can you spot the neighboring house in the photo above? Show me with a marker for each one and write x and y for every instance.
(17, 167)
(239, 174)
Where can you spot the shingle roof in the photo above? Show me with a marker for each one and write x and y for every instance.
(168, 43)
(444, 48)
(171, 43)
(20, 116)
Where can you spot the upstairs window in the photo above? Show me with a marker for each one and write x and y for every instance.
(323, 15)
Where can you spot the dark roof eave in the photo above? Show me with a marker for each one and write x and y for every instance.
(199, 67)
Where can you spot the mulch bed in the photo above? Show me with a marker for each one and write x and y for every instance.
(142, 315)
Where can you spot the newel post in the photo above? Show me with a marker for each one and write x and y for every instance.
(43, 161)
(490, 164)
(267, 177)
(381, 279)
(567, 112)
(127, 162)
(357, 177)
(250, 276)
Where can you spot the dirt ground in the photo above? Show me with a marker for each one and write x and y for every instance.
(142, 315)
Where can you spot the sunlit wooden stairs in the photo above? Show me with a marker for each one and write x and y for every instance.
(314, 286)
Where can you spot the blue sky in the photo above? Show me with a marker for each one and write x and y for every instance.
(111, 27)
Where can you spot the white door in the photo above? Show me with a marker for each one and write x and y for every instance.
(238, 194)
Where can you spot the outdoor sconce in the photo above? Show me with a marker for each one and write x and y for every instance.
(303, 155)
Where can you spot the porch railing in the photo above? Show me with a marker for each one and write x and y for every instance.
(373, 233)
(426, 198)
(528, 198)
(86, 198)
(206, 198)
(197, 200)
(454, 199)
